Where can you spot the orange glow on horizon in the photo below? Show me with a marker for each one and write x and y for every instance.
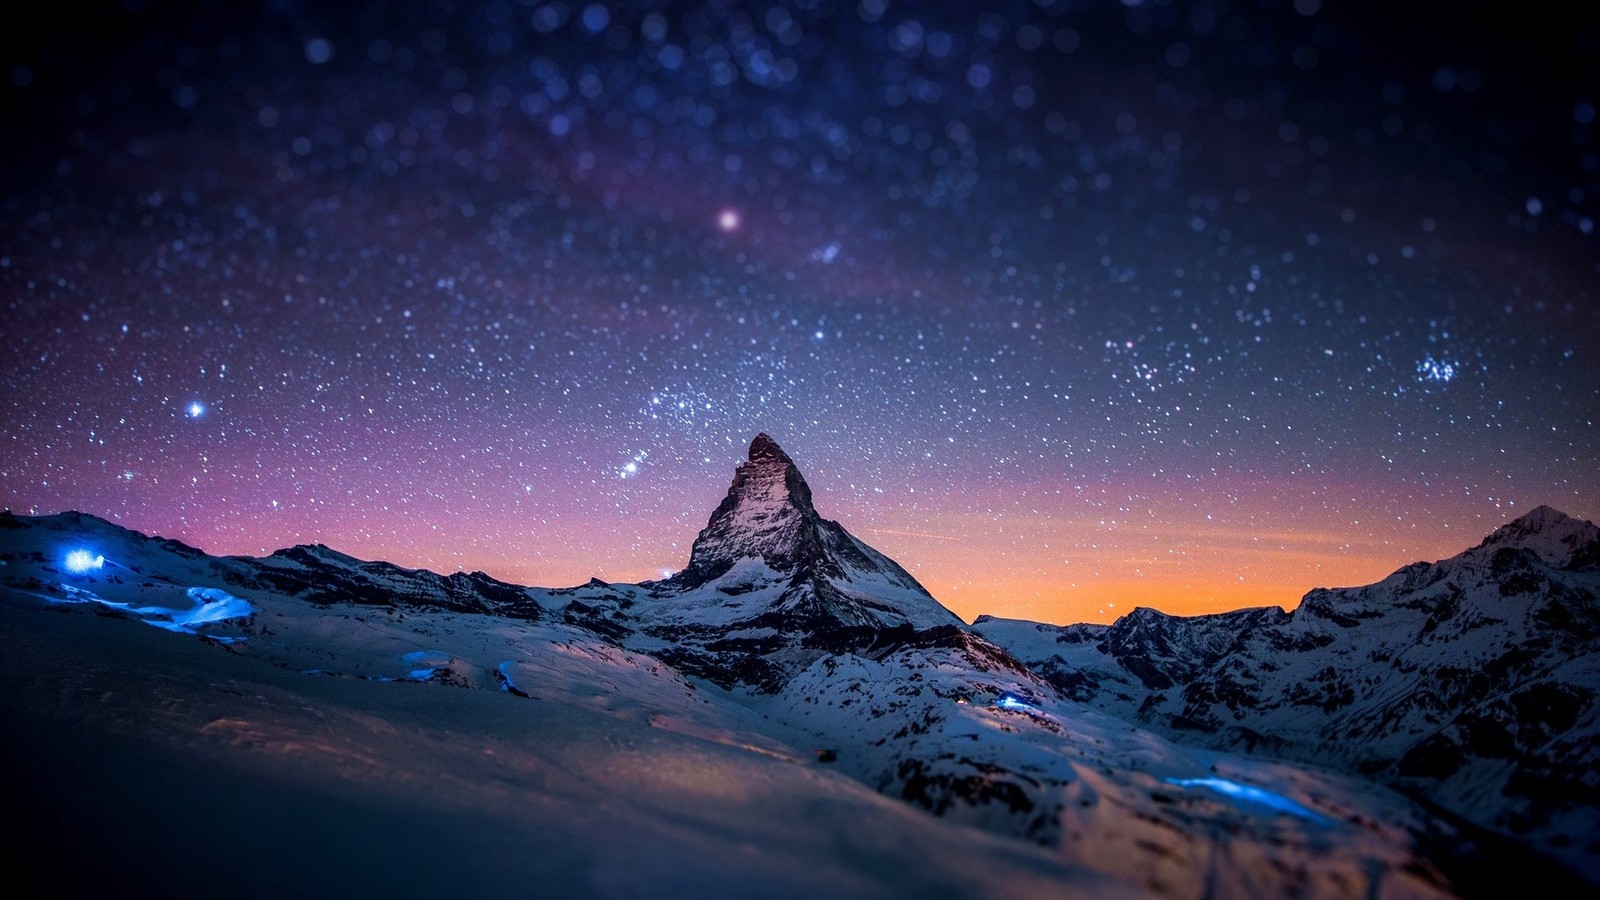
(1041, 553)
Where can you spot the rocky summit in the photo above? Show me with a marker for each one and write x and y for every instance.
(766, 533)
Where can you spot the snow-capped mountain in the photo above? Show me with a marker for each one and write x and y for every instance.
(790, 655)
(766, 535)
(1116, 667)
(770, 587)
(1471, 681)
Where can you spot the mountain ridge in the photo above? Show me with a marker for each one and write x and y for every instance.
(1471, 679)
(1432, 680)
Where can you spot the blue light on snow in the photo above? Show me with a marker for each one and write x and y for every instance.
(210, 605)
(81, 561)
(1014, 703)
(506, 684)
(214, 605)
(424, 663)
(1245, 793)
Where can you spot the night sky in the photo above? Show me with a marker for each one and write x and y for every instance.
(1066, 306)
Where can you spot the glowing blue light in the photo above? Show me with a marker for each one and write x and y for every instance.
(195, 410)
(506, 684)
(210, 605)
(1014, 703)
(1245, 793)
(422, 674)
(81, 561)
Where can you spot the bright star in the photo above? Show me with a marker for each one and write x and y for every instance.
(631, 467)
(195, 410)
(1440, 371)
(728, 220)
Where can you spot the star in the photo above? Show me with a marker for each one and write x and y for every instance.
(195, 409)
(728, 220)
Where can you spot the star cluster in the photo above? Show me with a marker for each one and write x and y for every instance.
(1068, 307)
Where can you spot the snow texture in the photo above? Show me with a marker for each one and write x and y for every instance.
(1471, 681)
(793, 715)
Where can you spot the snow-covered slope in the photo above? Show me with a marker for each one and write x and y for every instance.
(539, 730)
(1472, 681)
(139, 763)
(1115, 667)
(788, 661)
(953, 725)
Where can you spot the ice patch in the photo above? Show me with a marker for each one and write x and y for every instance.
(503, 675)
(79, 595)
(211, 605)
(1014, 703)
(1249, 794)
(425, 662)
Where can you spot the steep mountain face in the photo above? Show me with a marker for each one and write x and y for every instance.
(769, 582)
(1472, 681)
(767, 515)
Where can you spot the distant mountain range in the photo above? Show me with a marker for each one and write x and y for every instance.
(1406, 738)
(1471, 681)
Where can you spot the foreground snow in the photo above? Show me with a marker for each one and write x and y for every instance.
(159, 765)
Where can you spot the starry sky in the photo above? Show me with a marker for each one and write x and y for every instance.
(1066, 306)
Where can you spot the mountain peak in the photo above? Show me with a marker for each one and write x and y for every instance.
(1542, 518)
(767, 483)
(1554, 536)
(767, 517)
(764, 448)
(767, 514)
